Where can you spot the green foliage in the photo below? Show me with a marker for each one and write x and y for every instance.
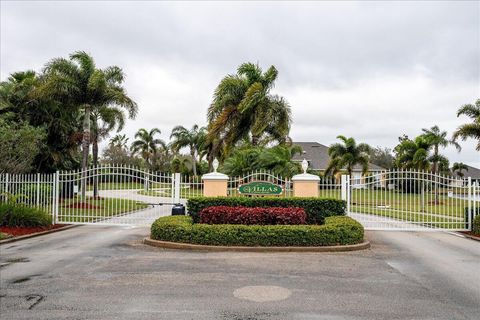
(476, 225)
(194, 139)
(469, 130)
(277, 160)
(147, 145)
(17, 215)
(20, 144)
(335, 231)
(317, 209)
(348, 154)
(243, 108)
(382, 157)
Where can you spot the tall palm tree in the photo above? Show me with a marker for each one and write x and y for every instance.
(437, 138)
(147, 145)
(458, 168)
(413, 154)
(194, 139)
(78, 82)
(119, 140)
(469, 130)
(347, 154)
(244, 107)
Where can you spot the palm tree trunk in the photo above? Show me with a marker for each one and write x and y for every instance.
(95, 163)
(85, 148)
(194, 164)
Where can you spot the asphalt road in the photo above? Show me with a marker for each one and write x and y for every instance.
(93, 272)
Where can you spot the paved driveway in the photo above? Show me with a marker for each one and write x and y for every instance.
(94, 272)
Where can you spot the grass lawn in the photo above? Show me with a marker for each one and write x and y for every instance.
(127, 185)
(91, 210)
(447, 212)
(185, 193)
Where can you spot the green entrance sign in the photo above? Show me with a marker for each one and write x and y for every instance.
(260, 188)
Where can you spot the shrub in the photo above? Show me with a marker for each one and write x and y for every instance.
(255, 215)
(335, 231)
(17, 215)
(476, 225)
(317, 209)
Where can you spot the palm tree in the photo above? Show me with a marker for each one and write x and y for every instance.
(437, 138)
(458, 168)
(348, 154)
(78, 82)
(194, 139)
(147, 145)
(278, 160)
(119, 140)
(244, 107)
(413, 154)
(469, 130)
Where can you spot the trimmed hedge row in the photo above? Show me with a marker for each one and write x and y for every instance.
(18, 215)
(317, 209)
(335, 231)
(255, 215)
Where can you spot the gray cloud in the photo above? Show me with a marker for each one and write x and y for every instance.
(373, 70)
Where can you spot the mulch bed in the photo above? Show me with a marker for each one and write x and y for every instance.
(20, 231)
(470, 233)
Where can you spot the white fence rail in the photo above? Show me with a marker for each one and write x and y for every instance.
(118, 195)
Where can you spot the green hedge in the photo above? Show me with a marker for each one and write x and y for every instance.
(476, 225)
(317, 209)
(18, 215)
(335, 231)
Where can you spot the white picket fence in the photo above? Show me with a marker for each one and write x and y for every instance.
(125, 195)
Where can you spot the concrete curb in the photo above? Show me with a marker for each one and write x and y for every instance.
(469, 236)
(32, 235)
(199, 247)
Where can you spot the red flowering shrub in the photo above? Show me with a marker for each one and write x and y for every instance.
(255, 215)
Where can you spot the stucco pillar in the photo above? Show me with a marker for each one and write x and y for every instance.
(305, 184)
(215, 183)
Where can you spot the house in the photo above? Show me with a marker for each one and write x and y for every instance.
(318, 159)
(472, 172)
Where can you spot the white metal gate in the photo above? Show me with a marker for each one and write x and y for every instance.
(411, 200)
(114, 195)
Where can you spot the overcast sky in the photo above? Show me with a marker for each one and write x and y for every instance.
(371, 70)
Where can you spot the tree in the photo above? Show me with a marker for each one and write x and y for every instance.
(437, 138)
(23, 100)
(346, 155)
(469, 130)
(147, 145)
(458, 168)
(277, 160)
(79, 83)
(194, 139)
(243, 107)
(119, 140)
(382, 157)
(413, 154)
(19, 145)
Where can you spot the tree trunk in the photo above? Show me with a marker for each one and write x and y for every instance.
(95, 163)
(85, 148)
(194, 164)
(255, 140)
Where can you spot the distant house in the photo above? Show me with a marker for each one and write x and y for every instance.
(318, 159)
(472, 172)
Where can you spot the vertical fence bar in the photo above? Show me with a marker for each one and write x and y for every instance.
(176, 195)
(469, 214)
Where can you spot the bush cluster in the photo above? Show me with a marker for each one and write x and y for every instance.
(252, 215)
(476, 225)
(317, 209)
(18, 215)
(335, 231)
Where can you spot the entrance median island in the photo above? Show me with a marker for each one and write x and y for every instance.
(253, 224)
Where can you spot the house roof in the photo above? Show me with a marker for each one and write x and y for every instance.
(318, 158)
(472, 172)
